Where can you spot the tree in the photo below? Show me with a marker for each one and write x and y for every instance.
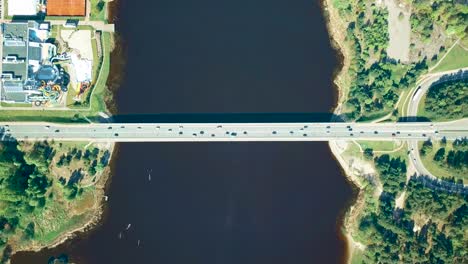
(29, 231)
(392, 173)
(369, 153)
(100, 5)
(426, 147)
(440, 154)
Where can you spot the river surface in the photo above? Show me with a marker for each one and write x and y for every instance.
(220, 202)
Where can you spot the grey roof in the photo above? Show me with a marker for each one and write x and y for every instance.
(17, 97)
(15, 30)
(33, 24)
(16, 45)
(19, 46)
(12, 86)
(20, 52)
(18, 70)
(35, 53)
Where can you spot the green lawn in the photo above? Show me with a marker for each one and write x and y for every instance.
(422, 112)
(435, 168)
(457, 58)
(352, 150)
(380, 145)
(100, 92)
(98, 10)
(357, 257)
(3, 104)
(369, 117)
(64, 17)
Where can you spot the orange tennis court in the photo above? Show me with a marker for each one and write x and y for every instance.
(66, 7)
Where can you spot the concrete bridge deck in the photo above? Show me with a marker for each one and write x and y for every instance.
(202, 132)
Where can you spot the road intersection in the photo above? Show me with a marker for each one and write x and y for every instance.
(412, 111)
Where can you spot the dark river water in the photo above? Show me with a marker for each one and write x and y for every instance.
(220, 202)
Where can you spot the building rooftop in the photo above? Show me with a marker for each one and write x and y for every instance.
(15, 49)
(22, 7)
(22, 57)
(15, 31)
(66, 7)
(35, 53)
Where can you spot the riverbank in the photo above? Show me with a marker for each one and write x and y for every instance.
(64, 193)
(75, 200)
(337, 32)
(352, 170)
(94, 218)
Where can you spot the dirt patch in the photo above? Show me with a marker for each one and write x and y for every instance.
(79, 41)
(429, 49)
(400, 200)
(399, 29)
(84, 204)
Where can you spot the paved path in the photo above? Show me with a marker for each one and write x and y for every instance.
(98, 25)
(188, 132)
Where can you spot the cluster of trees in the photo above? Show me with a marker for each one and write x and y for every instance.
(457, 158)
(41, 156)
(90, 158)
(392, 236)
(450, 15)
(376, 80)
(72, 189)
(426, 147)
(448, 99)
(23, 187)
(392, 173)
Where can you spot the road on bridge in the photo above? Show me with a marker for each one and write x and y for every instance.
(169, 132)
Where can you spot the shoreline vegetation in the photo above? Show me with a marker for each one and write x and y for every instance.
(93, 220)
(384, 216)
(366, 165)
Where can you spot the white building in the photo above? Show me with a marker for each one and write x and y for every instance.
(23, 7)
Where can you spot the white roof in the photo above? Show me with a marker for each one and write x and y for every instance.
(83, 68)
(22, 7)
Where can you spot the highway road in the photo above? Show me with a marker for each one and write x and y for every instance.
(412, 111)
(192, 132)
(416, 97)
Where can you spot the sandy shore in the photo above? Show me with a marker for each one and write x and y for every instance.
(337, 30)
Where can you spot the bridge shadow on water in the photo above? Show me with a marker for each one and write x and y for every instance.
(413, 119)
(226, 118)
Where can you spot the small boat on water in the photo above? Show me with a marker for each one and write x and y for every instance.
(120, 235)
(128, 226)
(138, 243)
(149, 174)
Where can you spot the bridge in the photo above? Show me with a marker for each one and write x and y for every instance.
(204, 132)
